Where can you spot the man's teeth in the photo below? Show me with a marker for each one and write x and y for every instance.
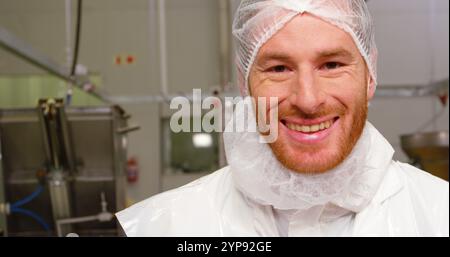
(311, 128)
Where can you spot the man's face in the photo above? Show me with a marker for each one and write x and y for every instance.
(321, 81)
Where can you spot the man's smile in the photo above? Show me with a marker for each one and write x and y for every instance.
(309, 131)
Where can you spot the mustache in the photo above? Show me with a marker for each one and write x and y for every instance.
(323, 111)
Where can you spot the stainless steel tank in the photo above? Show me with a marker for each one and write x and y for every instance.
(429, 151)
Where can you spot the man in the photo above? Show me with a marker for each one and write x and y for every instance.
(329, 172)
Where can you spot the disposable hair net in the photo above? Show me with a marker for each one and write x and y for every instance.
(256, 21)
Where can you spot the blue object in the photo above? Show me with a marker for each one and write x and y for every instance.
(29, 198)
(15, 207)
(68, 99)
(33, 215)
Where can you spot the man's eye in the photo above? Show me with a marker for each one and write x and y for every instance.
(278, 69)
(332, 65)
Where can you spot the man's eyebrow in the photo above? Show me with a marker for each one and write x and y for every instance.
(273, 55)
(281, 56)
(338, 52)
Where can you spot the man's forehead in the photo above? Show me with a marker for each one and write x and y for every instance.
(326, 40)
(311, 31)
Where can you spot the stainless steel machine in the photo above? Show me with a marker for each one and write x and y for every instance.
(428, 151)
(62, 169)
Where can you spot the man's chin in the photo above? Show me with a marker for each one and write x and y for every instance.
(311, 165)
(314, 160)
(311, 159)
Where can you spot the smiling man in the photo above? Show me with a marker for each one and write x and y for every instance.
(329, 172)
(322, 83)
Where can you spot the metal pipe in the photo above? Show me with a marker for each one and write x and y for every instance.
(431, 41)
(102, 217)
(59, 196)
(434, 88)
(225, 60)
(163, 47)
(61, 222)
(26, 52)
(23, 50)
(224, 41)
(68, 16)
(153, 36)
(68, 10)
(67, 143)
(128, 129)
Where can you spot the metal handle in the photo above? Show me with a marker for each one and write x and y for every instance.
(128, 129)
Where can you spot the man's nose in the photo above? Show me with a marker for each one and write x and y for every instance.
(306, 94)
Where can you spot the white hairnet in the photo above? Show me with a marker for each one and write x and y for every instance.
(256, 21)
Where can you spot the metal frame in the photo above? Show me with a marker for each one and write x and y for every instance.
(434, 88)
(118, 120)
(3, 221)
(119, 163)
(21, 49)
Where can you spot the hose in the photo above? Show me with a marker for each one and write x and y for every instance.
(76, 50)
(77, 38)
(32, 215)
(15, 207)
(29, 198)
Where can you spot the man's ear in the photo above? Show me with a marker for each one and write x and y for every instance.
(370, 88)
